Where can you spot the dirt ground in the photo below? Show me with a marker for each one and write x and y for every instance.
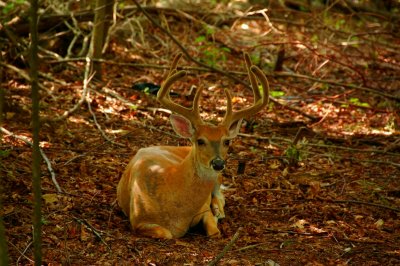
(336, 201)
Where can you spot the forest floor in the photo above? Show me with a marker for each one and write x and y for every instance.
(332, 197)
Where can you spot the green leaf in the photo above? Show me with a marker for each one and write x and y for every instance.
(277, 93)
(8, 8)
(357, 102)
(201, 38)
(134, 107)
(210, 30)
(4, 153)
(354, 100)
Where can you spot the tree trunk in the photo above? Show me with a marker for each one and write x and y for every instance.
(3, 242)
(103, 14)
(36, 156)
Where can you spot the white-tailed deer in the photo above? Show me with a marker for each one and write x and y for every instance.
(165, 190)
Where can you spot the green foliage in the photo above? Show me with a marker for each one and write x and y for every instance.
(356, 102)
(11, 5)
(212, 54)
(4, 153)
(314, 38)
(146, 90)
(339, 24)
(134, 107)
(295, 153)
(391, 124)
(369, 186)
(335, 22)
(277, 93)
(255, 59)
(292, 153)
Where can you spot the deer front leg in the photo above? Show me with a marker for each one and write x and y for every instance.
(210, 225)
(218, 200)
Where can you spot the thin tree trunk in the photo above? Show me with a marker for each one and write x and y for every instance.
(36, 182)
(103, 14)
(3, 242)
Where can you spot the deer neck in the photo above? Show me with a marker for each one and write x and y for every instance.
(200, 172)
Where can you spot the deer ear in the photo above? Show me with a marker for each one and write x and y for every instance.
(182, 126)
(234, 128)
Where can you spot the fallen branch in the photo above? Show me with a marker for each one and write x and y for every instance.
(226, 249)
(256, 246)
(339, 84)
(22, 253)
(376, 161)
(23, 74)
(27, 141)
(351, 149)
(294, 232)
(364, 241)
(364, 203)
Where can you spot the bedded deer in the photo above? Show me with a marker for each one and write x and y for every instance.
(165, 190)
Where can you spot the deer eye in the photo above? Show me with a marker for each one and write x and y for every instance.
(201, 142)
(227, 142)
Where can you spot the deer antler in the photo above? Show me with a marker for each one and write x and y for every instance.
(192, 114)
(260, 101)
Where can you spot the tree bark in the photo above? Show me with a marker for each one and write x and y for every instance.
(3, 242)
(103, 14)
(36, 182)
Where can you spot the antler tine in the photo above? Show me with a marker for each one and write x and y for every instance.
(252, 78)
(163, 94)
(173, 68)
(260, 100)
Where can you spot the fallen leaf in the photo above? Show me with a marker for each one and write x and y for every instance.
(50, 198)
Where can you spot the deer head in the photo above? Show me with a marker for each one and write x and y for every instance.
(209, 142)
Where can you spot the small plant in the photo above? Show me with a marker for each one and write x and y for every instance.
(277, 93)
(212, 54)
(11, 5)
(356, 102)
(296, 152)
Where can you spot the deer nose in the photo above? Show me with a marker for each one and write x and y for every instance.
(218, 164)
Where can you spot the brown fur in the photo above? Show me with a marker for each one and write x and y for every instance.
(166, 190)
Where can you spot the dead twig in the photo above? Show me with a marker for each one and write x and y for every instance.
(23, 252)
(27, 141)
(364, 241)
(85, 90)
(294, 232)
(364, 203)
(93, 230)
(226, 249)
(97, 124)
(23, 74)
(256, 246)
(351, 149)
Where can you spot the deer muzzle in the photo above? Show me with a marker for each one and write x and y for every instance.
(218, 164)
